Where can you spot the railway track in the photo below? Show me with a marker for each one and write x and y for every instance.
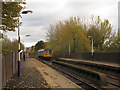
(112, 77)
(113, 81)
(82, 83)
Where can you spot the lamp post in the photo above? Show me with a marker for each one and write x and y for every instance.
(19, 51)
(92, 51)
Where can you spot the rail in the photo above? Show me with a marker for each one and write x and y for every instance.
(115, 69)
(96, 77)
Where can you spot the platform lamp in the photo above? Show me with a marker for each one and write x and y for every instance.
(19, 51)
(92, 51)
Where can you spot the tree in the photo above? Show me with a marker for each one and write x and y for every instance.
(15, 45)
(100, 31)
(10, 46)
(6, 44)
(1, 35)
(75, 32)
(69, 32)
(112, 44)
(10, 14)
(32, 48)
(39, 45)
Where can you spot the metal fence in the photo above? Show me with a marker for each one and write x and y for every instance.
(111, 57)
(9, 66)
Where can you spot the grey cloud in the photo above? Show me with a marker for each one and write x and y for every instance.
(37, 33)
(38, 20)
(46, 13)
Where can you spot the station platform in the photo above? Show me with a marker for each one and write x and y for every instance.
(35, 74)
(94, 62)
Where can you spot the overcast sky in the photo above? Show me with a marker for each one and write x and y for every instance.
(46, 12)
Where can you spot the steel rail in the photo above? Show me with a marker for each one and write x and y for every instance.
(113, 82)
(76, 80)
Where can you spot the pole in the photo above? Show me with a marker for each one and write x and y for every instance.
(92, 50)
(19, 61)
(92, 46)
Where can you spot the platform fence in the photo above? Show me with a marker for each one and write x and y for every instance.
(110, 57)
(9, 66)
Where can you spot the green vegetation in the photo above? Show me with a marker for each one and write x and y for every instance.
(39, 45)
(10, 46)
(100, 31)
(10, 14)
(32, 51)
(75, 32)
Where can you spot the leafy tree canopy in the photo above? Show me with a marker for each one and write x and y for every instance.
(11, 46)
(74, 32)
(10, 14)
(69, 32)
(100, 31)
(39, 45)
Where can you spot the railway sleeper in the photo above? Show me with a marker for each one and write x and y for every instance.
(96, 77)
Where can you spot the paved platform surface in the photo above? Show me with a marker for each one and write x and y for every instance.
(30, 77)
(94, 62)
(53, 78)
(35, 74)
